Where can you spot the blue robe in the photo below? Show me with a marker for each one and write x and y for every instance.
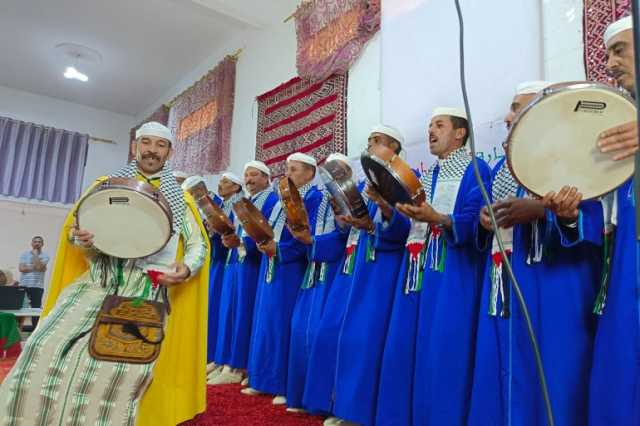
(268, 360)
(245, 294)
(216, 274)
(615, 378)
(305, 321)
(398, 361)
(448, 314)
(319, 384)
(222, 353)
(559, 292)
(361, 339)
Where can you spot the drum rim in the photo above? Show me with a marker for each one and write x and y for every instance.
(552, 90)
(366, 154)
(306, 223)
(106, 185)
(242, 206)
(339, 188)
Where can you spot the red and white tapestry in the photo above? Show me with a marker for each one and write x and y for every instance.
(300, 116)
(331, 34)
(200, 120)
(597, 15)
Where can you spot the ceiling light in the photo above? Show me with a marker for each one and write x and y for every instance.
(74, 74)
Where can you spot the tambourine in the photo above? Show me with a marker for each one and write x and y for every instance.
(253, 221)
(391, 177)
(297, 218)
(216, 218)
(348, 201)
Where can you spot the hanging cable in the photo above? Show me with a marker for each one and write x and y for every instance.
(507, 262)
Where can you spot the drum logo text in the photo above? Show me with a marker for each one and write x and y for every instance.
(118, 200)
(590, 106)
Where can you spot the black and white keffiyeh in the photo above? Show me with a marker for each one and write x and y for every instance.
(450, 168)
(504, 185)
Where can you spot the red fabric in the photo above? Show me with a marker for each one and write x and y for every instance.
(597, 15)
(13, 351)
(227, 406)
(300, 116)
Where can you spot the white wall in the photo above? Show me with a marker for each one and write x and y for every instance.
(102, 157)
(563, 45)
(268, 58)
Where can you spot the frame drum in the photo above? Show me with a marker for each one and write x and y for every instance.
(212, 213)
(129, 219)
(337, 179)
(293, 206)
(553, 140)
(253, 221)
(391, 176)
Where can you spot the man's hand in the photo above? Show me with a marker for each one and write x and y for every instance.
(385, 208)
(302, 236)
(517, 211)
(83, 237)
(424, 213)
(360, 223)
(230, 241)
(268, 248)
(180, 274)
(564, 204)
(485, 220)
(620, 141)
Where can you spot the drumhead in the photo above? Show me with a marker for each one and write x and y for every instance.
(388, 185)
(553, 141)
(125, 223)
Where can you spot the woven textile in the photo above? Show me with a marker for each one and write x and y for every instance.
(161, 115)
(200, 120)
(302, 116)
(597, 15)
(332, 33)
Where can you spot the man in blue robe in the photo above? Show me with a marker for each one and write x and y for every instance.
(369, 302)
(230, 192)
(450, 294)
(343, 249)
(615, 378)
(556, 258)
(239, 282)
(311, 298)
(283, 267)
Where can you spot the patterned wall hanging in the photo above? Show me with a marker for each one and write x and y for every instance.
(161, 115)
(597, 15)
(200, 119)
(300, 115)
(332, 33)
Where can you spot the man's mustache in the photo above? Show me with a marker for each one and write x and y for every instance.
(152, 155)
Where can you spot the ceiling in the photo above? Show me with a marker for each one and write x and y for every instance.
(146, 45)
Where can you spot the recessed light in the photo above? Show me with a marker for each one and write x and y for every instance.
(73, 74)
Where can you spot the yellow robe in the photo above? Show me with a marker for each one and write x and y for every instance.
(178, 390)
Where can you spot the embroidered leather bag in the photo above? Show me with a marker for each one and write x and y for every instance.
(125, 331)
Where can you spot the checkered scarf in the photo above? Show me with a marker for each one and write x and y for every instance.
(168, 187)
(504, 185)
(452, 167)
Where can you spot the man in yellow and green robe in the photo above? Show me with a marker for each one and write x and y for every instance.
(56, 380)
